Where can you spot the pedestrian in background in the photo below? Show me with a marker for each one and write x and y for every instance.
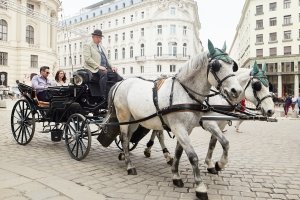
(298, 103)
(287, 104)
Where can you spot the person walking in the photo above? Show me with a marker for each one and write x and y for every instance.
(287, 104)
(298, 103)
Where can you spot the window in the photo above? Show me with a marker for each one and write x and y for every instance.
(116, 37)
(101, 12)
(172, 11)
(259, 38)
(109, 9)
(259, 10)
(124, 5)
(116, 7)
(287, 35)
(273, 21)
(94, 14)
(172, 68)
(65, 61)
(142, 15)
(131, 34)
(3, 4)
(131, 70)
(259, 24)
(29, 34)
(116, 54)
(75, 46)
(273, 6)
(70, 60)
(184, 50)
(159, 49)
(3, 30)
(259, 52)
(299, 34)
(131, 52)
(299, 17)
(159, 29)
(273, 51)
(286, 3)
(123, 70)
(86, 16)
(65, 48)
(287, 50)
(172, 48)
(109, 39)
(123, 53)
(75, 59)
(109, 23)
(287, 20)
(30, 9)
(123, 36)
(142, 49)
(33, 61)
(273, 37)
(108, 54)
(184, 30)
(80, 45)
(142, 69)
(80, 59)
(131, 17)
(173, 29)
(117, 21)
(124, 20)
(3, 58)
(158, 68)
(142, 32)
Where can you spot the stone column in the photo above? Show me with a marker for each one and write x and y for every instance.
(279, 90)
(296, 85)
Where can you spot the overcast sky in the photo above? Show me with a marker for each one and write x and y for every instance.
(218, 18)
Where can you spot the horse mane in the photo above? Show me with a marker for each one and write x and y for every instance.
(189, 68)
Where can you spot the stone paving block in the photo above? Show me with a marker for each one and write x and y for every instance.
(262, 194)
(7, 192)
(248, 194)
(291, 196)
(41, 194)
(278, 196)
(229, 193)
(293, 191)
(280, 191)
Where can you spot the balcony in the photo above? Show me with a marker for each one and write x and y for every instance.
(172, 57)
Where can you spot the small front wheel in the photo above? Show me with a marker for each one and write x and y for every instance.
(78, 137)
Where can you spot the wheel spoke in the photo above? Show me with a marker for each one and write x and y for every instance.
(22, 134)
(70, 141)
(81, 148)
(19, 132)
(18, 114)
(77, 148)
(75, 144)
(72, 129)
(25, 135)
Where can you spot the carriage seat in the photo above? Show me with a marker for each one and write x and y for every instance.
(30, 93)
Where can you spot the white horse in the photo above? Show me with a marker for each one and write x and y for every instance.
(132, 99)
(255, 91)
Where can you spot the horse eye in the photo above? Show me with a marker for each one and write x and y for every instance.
(235, 67)
(256, 86)
(216, 66)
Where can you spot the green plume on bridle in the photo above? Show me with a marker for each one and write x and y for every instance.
(260, 74)
(219, 54)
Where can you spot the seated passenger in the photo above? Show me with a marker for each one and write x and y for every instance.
(60, 78)
(41, 82)
(96, 61)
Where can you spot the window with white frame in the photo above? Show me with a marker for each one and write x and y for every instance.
(172, 29)
(124, 20)
(75, 60)
(158, 68)
(159, 49)
(273, 21)
(3, 30)
(131, 34)
(159, 29)
(123, 53)
(142, 32)
(184, 50)
(259, 52)
(259, 10)
(75, 46)
(273, 37)
(123, 70)
(80, 59)
(131, 70)
(109, 24)
(116, 54)
(142, 50)
(131, 17)
(116, 37)
(123, 36)
(184, 30)
(142, 69)
(273, 51)
(3, 58)
(173, 49)
(65, 61)
(108, 54)
(131, 52)
(287, 20)
(172, 68)
(29, 34)
(259, 24)
(117, 22)
(142, 15)
(286, 3)
(259, 38)
(273, 6)
(172, 10)
(287, 35)
(109, 39)
(33, 61)
(287, 50)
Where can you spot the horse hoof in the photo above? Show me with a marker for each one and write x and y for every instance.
(178, 182)
(217, 167)
(121, 156)
(170, 162)
(212, 170)
(132, 171)
(147, 154)
(202, 195)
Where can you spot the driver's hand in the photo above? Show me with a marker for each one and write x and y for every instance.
(114, 69)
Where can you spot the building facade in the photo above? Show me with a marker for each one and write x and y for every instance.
(269, 32)
(142, 38)
(28, 37)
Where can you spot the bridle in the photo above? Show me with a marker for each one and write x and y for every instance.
(256, 87)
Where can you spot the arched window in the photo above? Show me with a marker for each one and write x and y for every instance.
(116, 54)
(184, 50)
(131, 52)
(159, 49)
(108, 54)
(3, 30)
(142, 49)
(124, 5)
(29, 34)
(172, 48)
(123, 53)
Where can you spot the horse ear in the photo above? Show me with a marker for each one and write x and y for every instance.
(255, 68)
(224, 47)
(264, 68)
(211, 48)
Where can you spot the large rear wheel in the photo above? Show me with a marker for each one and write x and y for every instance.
(78, 136)
(22, 122)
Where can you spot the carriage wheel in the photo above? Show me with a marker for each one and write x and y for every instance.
(132, 145)
(22, 122)
(78, 136)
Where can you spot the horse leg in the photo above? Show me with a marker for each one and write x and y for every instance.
(210, 165)
(184, 143)
(147, 151)
(215, 130)
(167, 155)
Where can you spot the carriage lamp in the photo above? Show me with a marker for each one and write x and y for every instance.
(78, 80)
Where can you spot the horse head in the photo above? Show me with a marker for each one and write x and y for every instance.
(257, 90)
(220, 72)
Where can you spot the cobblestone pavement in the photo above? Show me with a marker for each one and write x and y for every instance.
(264, 163)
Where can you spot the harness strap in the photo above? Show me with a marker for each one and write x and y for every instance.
(172, 89)
(155, 101)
